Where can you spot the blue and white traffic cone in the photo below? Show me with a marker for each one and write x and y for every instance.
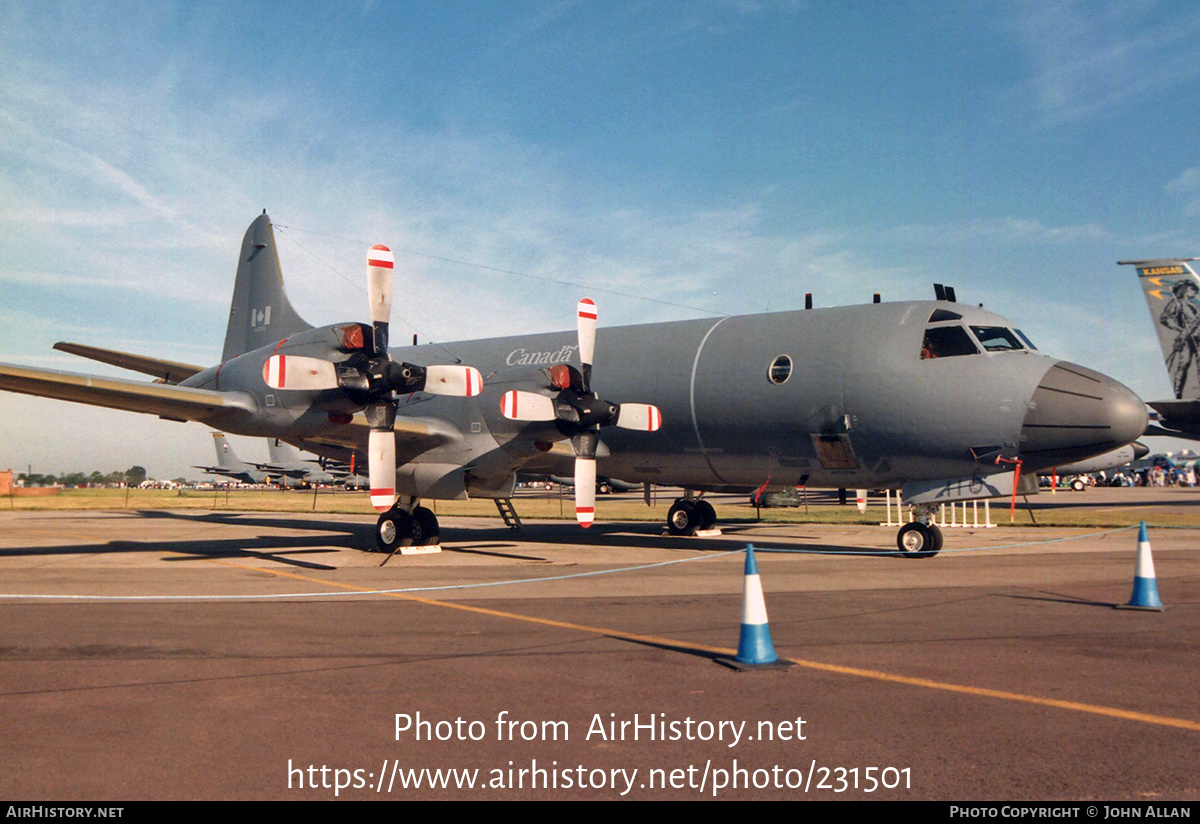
(754, 645)
(1145, 584)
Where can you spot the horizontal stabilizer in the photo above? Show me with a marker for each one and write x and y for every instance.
(165, 370)
(1178, 414)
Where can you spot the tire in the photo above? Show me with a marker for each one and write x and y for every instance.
(1078, 485)
(604, 488)
(706, 514)
(394, 529)
(683, 518)
(918, 540)
(387, 532)
(427, 522)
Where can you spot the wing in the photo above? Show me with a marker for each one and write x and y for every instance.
(172, 402)
(414, 436)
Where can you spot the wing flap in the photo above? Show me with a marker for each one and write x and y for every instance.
(174, 402)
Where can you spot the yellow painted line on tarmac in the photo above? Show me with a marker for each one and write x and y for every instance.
(876, 675)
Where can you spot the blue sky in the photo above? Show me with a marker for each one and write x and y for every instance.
(716, 157)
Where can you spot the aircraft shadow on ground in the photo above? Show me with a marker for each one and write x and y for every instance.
(483, 540)
(277, 548)
(643, 535)
(1077, 500)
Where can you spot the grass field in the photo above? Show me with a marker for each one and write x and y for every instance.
(1095, 508)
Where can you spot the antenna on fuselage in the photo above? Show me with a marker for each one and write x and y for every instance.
(945, 293)
(808, 301)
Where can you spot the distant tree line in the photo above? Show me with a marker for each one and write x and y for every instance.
(132, 476)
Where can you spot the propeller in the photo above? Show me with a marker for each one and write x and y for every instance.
(373, 380)
(579, 412)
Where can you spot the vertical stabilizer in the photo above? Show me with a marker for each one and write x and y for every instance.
(260, 313)
(227, 459)
(283, 454)
(1171, 289)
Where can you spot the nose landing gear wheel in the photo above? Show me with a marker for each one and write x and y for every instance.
(918, 540)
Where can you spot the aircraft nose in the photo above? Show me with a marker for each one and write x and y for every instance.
(1076, 413)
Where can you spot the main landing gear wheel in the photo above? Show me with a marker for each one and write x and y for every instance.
(393, 530)
(397, 528)
(428, 524)
(685, 517)
(708, 515)
(918, 540)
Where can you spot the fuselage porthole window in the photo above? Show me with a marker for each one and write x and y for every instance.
(780, 371)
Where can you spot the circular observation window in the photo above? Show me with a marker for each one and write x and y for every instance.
(780, 370)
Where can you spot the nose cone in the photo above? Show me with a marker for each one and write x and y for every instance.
(1076, 413)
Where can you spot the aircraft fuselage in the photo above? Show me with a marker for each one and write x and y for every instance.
(850, 397)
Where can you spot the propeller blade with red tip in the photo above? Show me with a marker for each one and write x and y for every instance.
(585, 490)
(461, 381)
(381, 441)
(644, 417)
(380, 265)
(381, 468)
(527, 406)
(299, 373)
(587, 339)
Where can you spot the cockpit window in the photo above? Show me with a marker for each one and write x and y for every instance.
(997, 338)
(943, 314)
(1023, 337)
(947, 341)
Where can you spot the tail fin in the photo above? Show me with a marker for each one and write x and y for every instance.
(1172, 291)
(283, 454)
(226, 458)
(260, 313)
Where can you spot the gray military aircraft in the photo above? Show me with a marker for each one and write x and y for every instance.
(284, 460)
(285, 467)
(1102, 463)
(229, 465)
(941, 400)
(1171, 289)
(232, 467)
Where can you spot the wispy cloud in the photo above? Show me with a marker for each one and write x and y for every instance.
(1186, 187)
(1089, 58)
(1006, 231)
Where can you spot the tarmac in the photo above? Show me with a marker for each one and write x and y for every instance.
(225, 655)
